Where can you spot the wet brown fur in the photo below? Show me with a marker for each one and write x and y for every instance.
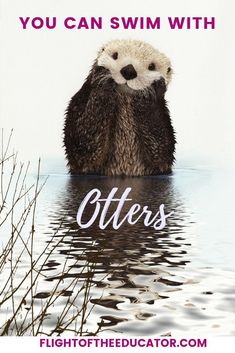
(114, 130)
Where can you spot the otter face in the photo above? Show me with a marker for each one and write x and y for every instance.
(134, 63)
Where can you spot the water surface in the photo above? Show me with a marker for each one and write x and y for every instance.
(179, 280)
(137, 280)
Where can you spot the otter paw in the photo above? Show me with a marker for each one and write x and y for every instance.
(160, 87)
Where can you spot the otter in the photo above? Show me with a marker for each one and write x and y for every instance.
(118, 123)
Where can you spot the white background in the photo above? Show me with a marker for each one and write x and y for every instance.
(41, 69)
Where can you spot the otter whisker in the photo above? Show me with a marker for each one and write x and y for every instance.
(101, 78)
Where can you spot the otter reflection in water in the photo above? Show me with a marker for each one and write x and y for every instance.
(134, 264)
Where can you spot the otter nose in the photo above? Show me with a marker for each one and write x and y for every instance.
(128, 72)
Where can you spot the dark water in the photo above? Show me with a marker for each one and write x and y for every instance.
(144, 281)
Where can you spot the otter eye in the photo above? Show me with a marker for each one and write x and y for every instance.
(169, 70)
(152, 67)
(115, 56)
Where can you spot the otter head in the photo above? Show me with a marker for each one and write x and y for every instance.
(134, 63)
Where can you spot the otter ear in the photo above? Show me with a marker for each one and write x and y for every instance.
(100, 51)
(169, 74)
